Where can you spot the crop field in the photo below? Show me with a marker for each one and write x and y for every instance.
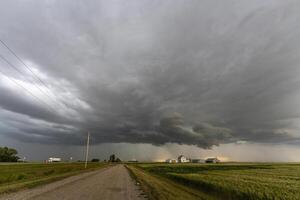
(17, 176)
(233, 181)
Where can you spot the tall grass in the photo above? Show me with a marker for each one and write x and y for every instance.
(251, 181)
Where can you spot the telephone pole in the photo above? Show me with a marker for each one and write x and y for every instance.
(87, 150)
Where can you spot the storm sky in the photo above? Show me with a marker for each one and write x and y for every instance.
(151, 79)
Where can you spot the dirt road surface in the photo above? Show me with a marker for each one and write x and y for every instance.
(113, 183)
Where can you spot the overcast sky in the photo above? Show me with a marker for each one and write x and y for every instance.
(151, 79)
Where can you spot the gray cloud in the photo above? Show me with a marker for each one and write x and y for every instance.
(202, 73)
(203, 135)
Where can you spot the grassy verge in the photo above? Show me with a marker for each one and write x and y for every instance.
(159, 188)
(14, 177)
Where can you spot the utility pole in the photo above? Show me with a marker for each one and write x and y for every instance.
(87, 150)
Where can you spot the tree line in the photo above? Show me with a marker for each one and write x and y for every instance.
(112, 158)
(8, 155)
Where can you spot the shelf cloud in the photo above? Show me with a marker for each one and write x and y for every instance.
(200, 73)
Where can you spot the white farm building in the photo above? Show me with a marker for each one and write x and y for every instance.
(183, 159)
(171, 161)
(50, 160)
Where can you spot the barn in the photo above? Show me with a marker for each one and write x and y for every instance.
(212, 160)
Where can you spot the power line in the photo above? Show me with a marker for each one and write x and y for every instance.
(19, 71)
(37, 98)
(24, 64)
(28, 68)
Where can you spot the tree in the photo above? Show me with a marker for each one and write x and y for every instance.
(8, 155)
(112, 158)
(95, 160)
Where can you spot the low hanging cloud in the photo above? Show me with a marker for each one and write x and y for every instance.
(201, 73)
(203, 135)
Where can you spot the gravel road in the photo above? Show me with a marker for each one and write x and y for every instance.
(113, 183)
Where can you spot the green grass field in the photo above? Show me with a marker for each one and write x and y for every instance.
(18, 176)
(232, 181)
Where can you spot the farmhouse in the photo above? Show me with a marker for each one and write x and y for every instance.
(183, 159)
(50, 160)
(171, 161)
(212, 160)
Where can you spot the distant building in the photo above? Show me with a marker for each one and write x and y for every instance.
(198, 161)
(133, 160)
(171, 161)
(183, 159)
(212, 160)
(50, 160)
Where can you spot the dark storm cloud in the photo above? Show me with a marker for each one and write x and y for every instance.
(198, 72)
(203, 135)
